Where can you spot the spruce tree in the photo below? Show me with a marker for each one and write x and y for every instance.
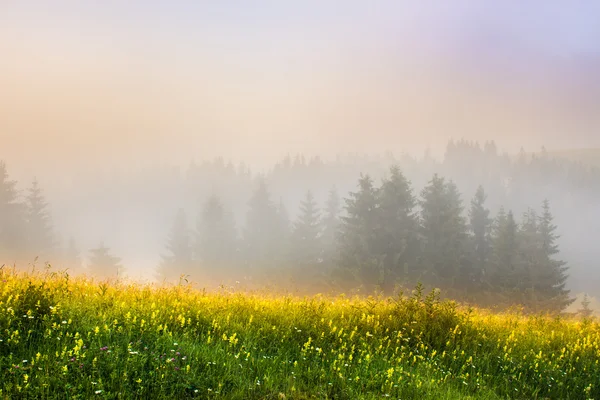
(444, 234)
(216, 237)
(397, 235)
(554, 271)
(72, 258)
(12, 220)
(178, 260)
(306, 234)
(41, 241)
(480, 225)
(359, 260)
(505, 258)
(103, 264)
(330, 227)
(261, 235)
(585, 311)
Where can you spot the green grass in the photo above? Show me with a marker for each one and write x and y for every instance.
(65, 338)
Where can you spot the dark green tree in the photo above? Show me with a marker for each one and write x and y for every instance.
(72, 258)
(178, 260)
(505, 265)
(480, 225)
(41, 240)
(444, 234)
(358, 258)
(12, 220)
(216, 238)
(397, 234)
(103, 265)
(585, 311)
(306, 234)
(553, 271)
(330, 227)
(262, 233)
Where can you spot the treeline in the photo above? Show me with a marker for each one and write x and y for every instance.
(28, 236)
(381, 237)
(248, 225)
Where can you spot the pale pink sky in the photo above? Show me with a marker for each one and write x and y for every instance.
(84, 83)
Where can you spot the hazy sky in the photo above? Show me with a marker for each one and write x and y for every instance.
(84, 82)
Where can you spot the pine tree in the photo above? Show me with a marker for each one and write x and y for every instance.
(306, 234)
(216, 238)
(12, 220)
(103, 264)
(505, 258)
(262, 230)
(554, 272)
(41, 241)
(585, 311)
(359, 260)
(397, 235)
(330, 228)
(444, 234)
(72, 258)
(178, 261)
(531, 254)
(480, 225)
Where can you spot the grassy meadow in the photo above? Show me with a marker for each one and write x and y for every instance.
(64, 337)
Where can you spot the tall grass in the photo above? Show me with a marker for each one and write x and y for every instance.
(74, 338)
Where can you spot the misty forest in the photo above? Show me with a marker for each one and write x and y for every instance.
(485, 227)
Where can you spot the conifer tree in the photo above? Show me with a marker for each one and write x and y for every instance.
(72, 258)
(306, 234)
(480, 225)
(178, 259)
(12, 220)
(505, 258)
(398, 227)
(444, 233)
(554, 271)
(359, 260)
(263, 228)
(585, 311)
(41, 241)
(103, 264)
(330, 227)
(216, 237)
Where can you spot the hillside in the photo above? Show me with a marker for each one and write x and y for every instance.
(61, 337)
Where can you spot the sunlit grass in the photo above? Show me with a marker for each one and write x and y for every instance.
(62, 337)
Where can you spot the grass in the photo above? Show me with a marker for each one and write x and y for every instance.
(73, 338)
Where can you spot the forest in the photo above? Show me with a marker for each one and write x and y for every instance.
(486, 227)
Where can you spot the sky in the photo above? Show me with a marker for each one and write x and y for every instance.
(89, 84)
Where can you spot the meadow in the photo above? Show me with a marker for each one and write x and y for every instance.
(65, 337)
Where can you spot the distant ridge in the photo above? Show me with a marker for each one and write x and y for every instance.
(585, 156)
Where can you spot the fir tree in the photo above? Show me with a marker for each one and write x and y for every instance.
(178, 260)
(72, 258)
(306, 234)
(444, 233)
(262, 230)
(398, 227)
(103, 264)
(41, 241)
(480, 225)
(359, 260)
(330, 227)
(505, 257)
(554, 272)
(216, 237)
(12, 220)
(585, 311)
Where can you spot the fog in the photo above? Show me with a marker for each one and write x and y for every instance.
(114, 108)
